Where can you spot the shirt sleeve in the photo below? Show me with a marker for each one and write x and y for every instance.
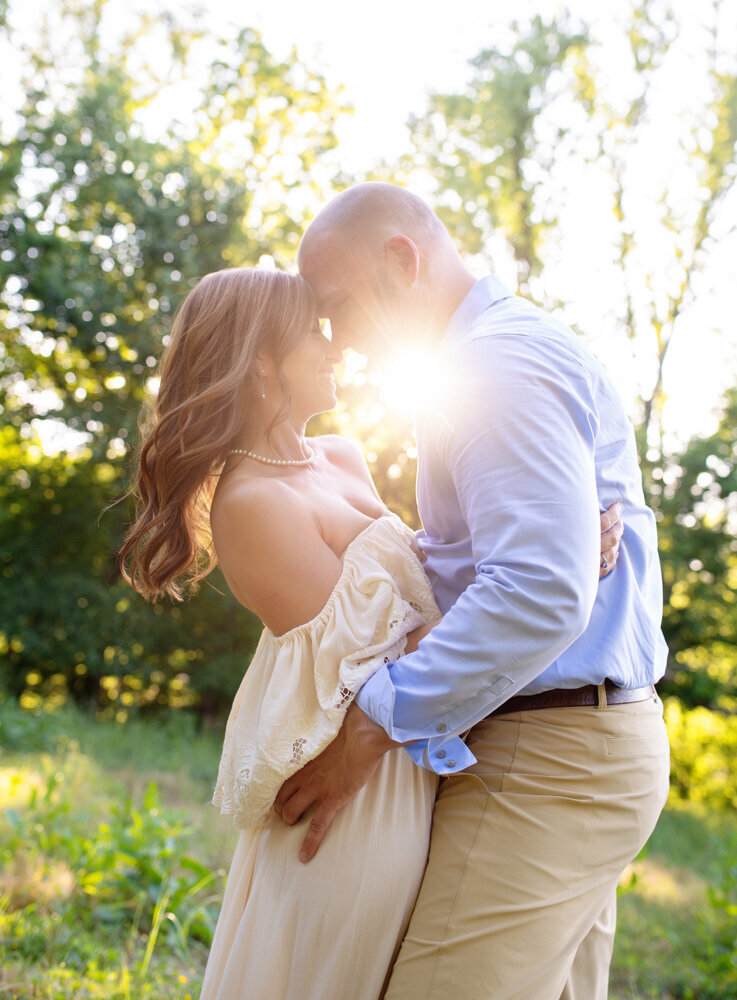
(517, 438)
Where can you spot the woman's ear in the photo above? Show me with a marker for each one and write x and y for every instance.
(263, 368)
(403, 257)
(263, 365)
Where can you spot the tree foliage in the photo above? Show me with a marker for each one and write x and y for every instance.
(552, 103)
(483, 147)
(105, 228)
(547, 104)
(695, 498)
(111, 210)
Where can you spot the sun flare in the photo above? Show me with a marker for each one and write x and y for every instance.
(410, 380)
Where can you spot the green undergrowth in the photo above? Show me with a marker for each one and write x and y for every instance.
(112, 868)
(112, 865)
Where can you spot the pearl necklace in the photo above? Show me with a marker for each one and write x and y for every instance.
(273, 461)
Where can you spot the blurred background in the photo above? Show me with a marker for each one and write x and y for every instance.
(586, 154)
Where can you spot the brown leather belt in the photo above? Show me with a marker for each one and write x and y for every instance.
(568, 697)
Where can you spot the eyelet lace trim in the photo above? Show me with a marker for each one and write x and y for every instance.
(259, 755)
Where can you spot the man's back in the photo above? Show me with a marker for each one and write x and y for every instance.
(622, 640)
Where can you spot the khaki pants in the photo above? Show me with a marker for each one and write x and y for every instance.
(519, 894)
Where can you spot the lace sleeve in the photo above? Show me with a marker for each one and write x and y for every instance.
(299, 685)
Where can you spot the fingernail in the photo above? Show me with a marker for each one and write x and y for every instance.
(303, 856)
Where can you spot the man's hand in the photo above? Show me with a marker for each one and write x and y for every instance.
(611, 533)
(333, 778)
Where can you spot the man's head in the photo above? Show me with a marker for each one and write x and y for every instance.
(383, 268)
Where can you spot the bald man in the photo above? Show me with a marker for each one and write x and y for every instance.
(533, 698)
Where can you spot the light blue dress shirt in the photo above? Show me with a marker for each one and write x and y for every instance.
(524, 443)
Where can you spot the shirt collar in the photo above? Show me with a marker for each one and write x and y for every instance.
(484, 294)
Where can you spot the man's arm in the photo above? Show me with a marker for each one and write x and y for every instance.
(521, 457)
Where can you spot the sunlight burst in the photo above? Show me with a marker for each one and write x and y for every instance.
(411, 380)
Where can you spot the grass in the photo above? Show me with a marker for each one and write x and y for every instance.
(677, 924)
(112, 866)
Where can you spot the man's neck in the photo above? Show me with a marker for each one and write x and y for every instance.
(452, 291)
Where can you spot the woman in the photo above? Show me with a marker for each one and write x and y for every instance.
(304, 541)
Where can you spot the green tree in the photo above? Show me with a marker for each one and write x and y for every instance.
(695, 496)
(553, 101)
(111, 209)
(69, 626)
(659, 289)
(484, 148)
(104, 229)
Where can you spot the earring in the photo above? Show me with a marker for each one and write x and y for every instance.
(263, 390)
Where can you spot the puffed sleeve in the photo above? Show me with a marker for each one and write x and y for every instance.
(297, 689)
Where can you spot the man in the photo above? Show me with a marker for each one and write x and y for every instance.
(546, 672)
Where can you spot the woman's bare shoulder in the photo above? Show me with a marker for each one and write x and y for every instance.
(247, 502)
(340, 449)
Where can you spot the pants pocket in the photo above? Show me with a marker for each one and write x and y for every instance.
(634, 746)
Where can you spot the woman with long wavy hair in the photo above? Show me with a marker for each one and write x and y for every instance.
(226, 474)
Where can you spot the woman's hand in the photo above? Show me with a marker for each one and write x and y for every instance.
(611, 533)
(330, 780)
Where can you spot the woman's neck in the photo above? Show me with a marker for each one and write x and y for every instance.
(286, 441)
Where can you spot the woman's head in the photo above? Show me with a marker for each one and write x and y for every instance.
(231, 325)
(235, 331)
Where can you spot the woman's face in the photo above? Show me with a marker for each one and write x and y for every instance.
(309, 372)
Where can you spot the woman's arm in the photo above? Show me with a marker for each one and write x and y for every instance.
(414, 637)
(611, 535)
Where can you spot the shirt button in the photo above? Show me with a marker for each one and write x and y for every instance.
(450, 763)
(441, 754)
(442, 727)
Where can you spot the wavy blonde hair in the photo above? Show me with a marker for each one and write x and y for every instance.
(205, 403)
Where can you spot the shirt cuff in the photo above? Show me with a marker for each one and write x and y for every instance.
(442, 754)
(376, 698)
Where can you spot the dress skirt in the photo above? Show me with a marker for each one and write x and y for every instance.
(329, 929)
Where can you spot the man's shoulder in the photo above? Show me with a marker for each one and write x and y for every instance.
(518, 317)
(526, 345)
(516, 331)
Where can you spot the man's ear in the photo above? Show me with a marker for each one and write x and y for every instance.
(403, 256)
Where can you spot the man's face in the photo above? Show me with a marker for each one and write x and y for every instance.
(351, 294)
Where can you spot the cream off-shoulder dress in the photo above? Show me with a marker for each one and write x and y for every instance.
(329, 929)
